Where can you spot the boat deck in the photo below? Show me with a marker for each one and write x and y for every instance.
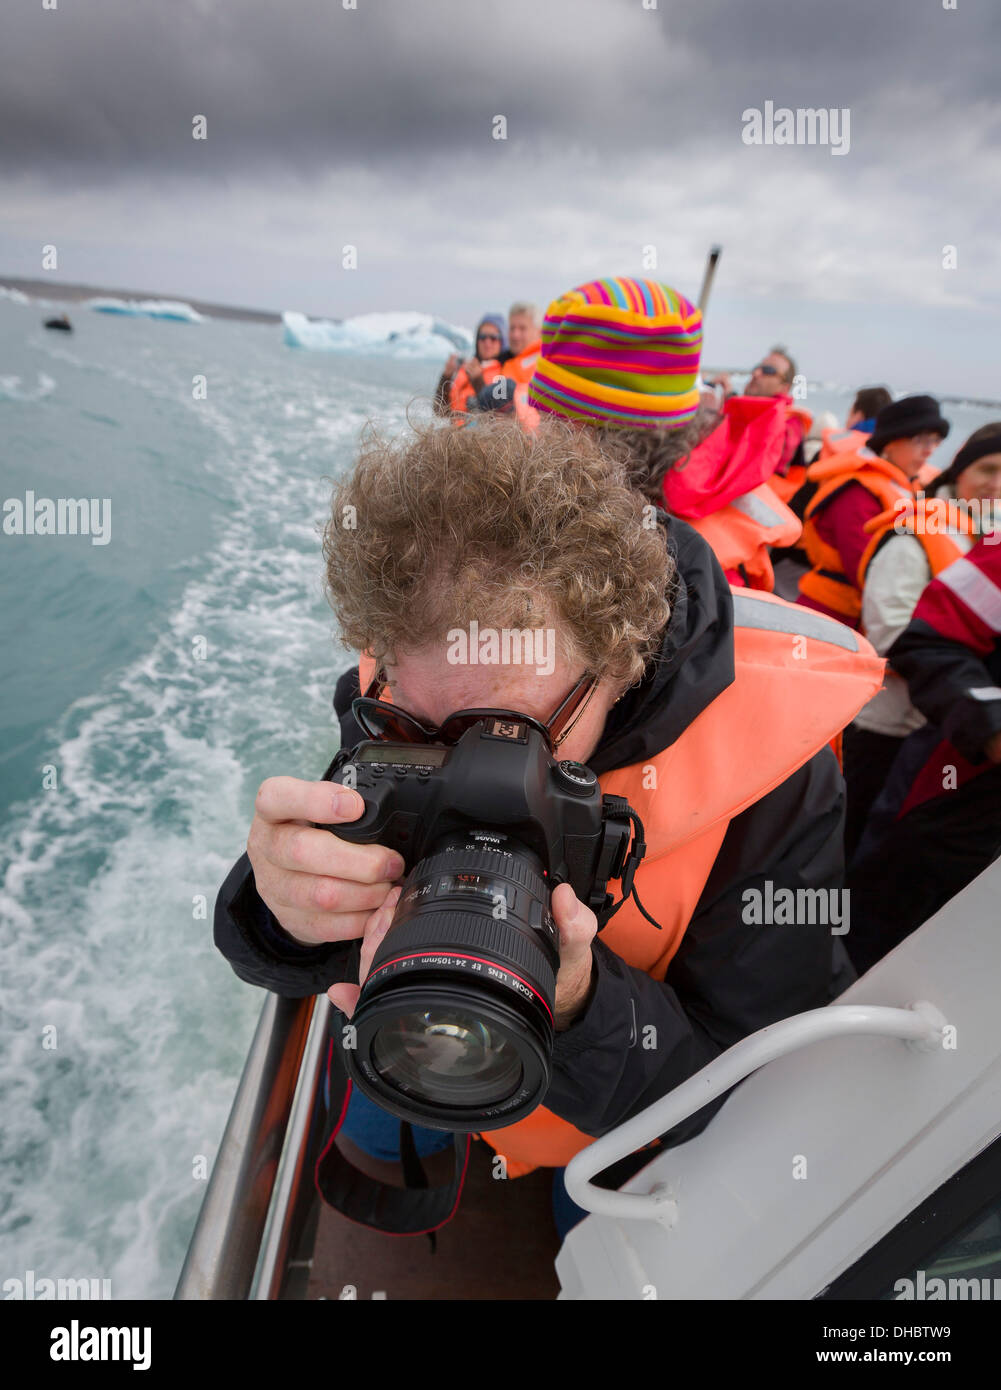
(501, 1243)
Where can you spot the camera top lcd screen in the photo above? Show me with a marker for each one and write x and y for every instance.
(413, 755)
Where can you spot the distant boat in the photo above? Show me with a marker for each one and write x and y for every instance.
(62, 323)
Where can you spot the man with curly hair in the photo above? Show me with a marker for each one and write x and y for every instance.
(710, 711)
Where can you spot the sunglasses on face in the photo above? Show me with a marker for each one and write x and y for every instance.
(488, 337)
(766, 369)
(385, 721)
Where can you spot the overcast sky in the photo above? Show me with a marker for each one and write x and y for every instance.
(374, 126)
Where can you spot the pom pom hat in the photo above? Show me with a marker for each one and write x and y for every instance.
(620, 352)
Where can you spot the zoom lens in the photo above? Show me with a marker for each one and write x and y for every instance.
(444, 1054)
(454, 1025)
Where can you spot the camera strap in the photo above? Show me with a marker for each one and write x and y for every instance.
(619, 806)
(416, 1209)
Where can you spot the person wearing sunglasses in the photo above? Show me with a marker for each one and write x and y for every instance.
(693, 704)
(773, 375)
(773, 378)
(460, 380)
(852, 489)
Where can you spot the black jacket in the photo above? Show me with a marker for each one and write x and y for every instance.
(946, 680)
(727, 979)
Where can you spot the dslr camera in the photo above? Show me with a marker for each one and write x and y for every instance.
(454, 1024)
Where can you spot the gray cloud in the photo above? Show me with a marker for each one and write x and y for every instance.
(372, 126)
(110, 88)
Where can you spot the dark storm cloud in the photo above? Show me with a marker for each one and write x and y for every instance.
(109, 88)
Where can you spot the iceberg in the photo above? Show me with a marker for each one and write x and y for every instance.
(15, 296)
(147, 308)
(401, 334)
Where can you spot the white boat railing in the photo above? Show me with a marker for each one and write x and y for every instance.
(921, 1025)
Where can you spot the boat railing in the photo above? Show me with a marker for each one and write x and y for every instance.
(259, 1211)
(259, 1200)
(921, 1024)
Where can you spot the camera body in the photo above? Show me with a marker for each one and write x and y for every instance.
(455, 1020)
(500, 774)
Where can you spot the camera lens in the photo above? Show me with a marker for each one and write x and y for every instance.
(454, 1025)
(447, 1054)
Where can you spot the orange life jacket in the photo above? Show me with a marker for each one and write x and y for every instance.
(800, 677)
(833, 441)
(933, 521)
(786, 485)
(462, 387)
(520, 370)
(741, 532)
(827, 582)
(840, 441)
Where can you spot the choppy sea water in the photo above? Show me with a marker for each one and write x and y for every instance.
(158, 678)
(147, 687)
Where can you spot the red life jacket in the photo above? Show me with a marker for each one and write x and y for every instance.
(800, 677)
(719, 489)
(786, 482)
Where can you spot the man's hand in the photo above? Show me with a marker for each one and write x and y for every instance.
(319, 888)
(577, 926)
(721, 379)
(452, 365)
(474, 371)
(993, 747)
(345, 997)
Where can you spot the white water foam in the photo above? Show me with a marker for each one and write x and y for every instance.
(13, 388)
(100, 939)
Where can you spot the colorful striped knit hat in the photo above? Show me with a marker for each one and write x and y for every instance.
(620, 352)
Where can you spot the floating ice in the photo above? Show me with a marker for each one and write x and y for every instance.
(147, 308)
(401, 334)
(16, 296)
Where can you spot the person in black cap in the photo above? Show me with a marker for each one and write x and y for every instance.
(908, 432)
(852, 489)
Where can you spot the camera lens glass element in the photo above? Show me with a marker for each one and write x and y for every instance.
(447, 1057)
(455, 1020)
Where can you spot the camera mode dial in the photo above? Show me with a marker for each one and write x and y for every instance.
(575, 778)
